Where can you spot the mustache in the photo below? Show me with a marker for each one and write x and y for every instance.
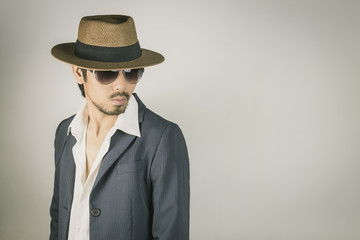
(120, 94)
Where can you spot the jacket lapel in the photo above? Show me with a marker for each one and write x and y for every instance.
(120, 141)
(69, 164)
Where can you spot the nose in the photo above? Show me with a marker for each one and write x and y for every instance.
(120, 83)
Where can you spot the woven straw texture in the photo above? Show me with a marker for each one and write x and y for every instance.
(107, 31)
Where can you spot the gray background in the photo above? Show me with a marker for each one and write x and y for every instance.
(266, 93)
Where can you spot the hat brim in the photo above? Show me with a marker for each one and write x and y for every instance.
(65, 52)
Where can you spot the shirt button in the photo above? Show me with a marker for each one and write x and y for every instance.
(95, 212)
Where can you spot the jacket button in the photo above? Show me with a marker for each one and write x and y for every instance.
(95, 212)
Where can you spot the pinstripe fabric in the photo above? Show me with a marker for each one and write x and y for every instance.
(142, 188)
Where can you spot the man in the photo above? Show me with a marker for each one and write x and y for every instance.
(121, 171)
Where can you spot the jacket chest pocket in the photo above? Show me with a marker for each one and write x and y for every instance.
(129, 167)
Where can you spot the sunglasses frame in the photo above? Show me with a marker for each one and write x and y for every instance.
(123, 73)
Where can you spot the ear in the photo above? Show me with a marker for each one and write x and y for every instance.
(78, 74)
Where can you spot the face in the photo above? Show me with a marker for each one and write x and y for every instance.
(110, 99)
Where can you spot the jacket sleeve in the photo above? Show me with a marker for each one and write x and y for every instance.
(55, 199)
(171, 187)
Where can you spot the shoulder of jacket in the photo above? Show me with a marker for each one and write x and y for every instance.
(64, 124)
(154, 120)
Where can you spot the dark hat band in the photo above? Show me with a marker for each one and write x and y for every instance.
(108, 54)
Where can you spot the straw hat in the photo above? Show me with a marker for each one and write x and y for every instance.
(106, 42)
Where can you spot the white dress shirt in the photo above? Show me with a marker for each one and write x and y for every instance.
(80, 212)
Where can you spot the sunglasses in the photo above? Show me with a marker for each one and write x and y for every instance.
(107, 77)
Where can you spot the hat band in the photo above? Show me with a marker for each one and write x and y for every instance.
(108, 54)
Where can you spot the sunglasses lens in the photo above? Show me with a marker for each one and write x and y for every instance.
(133, 75)
(106, 77)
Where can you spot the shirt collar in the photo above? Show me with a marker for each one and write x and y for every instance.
(127, 122)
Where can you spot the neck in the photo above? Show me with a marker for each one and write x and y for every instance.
(99, 122)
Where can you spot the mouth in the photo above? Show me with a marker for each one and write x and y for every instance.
(119, 100)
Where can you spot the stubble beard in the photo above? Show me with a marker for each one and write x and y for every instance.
(119, 109)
